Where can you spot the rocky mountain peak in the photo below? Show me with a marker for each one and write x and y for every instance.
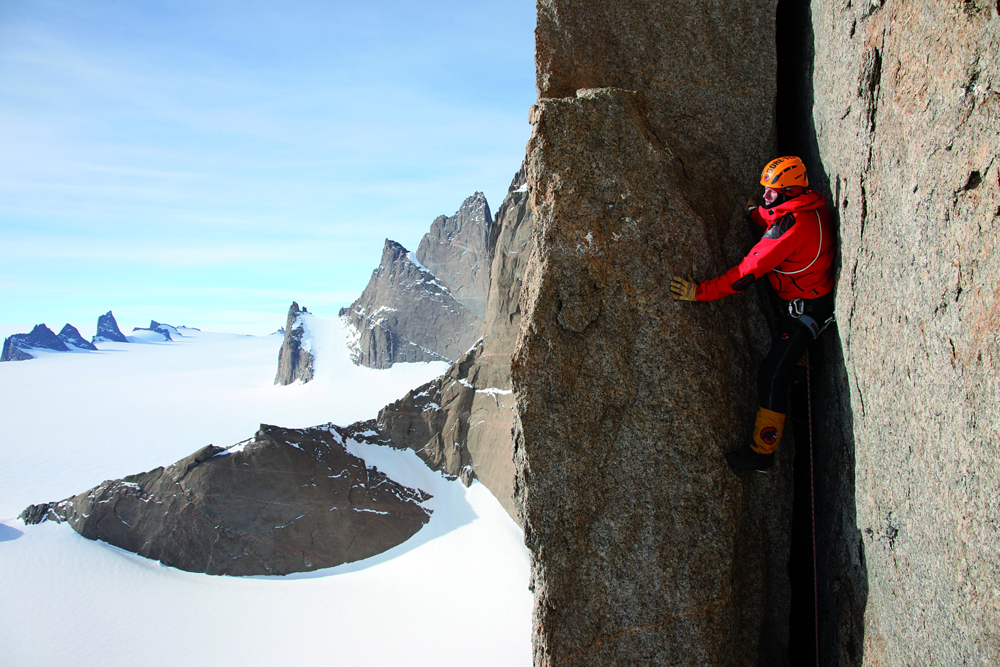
(406, 314)
(456, 250)
(295, 359)
(71, 336)
(108, 331)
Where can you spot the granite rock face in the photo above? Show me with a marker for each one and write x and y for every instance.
(433, 419)
(456, 251)
(406, 315)
(41, 337)
(287, 500)
(651, 128)
(460, 423)
(295, 360)
(12, 353)
(71, 336)
(906, 131)
(108, 331)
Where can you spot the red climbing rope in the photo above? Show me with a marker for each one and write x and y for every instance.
(812, 507)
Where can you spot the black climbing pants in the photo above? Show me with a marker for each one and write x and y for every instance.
(789, 343)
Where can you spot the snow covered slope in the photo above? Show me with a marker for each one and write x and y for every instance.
(72, 421)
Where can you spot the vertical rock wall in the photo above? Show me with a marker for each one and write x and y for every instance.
(652, 124)
(907, 128)
(460, 423)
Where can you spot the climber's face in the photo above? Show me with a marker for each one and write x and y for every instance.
(770, 196)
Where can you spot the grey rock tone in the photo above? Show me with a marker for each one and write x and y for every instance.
(434, 418)
(164, 330)
(71, 336)
(406, 315)
(456, 252)
(295, 359)
(12, 353)
(41, 337)
(168, 330)
(460, 423)
(108, 331)
(905, 126)
(649, 133)
(287, 500)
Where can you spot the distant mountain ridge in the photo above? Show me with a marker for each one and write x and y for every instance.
(17, 347)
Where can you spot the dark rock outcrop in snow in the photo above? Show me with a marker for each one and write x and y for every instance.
(456, 251)
(287, 500)
(166, 330)
(12, 353)
(41, 337)
(406, 315)
(295, 360)
(460, 423)
(646, 548)
(71, 336)
(108, 331)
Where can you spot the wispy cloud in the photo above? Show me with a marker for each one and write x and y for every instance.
(293, 136)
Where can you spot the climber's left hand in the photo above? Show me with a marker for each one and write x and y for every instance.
(684, 290)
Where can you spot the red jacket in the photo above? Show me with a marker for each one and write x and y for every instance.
(796, 252)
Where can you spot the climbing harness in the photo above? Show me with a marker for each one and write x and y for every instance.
(812, 507)
(797, 309)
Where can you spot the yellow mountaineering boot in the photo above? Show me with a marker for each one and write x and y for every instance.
(766, 436)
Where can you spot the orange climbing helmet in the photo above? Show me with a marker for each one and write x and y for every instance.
(783, 172)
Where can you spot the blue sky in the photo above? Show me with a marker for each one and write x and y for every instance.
(204, 163)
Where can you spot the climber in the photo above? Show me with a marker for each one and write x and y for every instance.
(796, 252)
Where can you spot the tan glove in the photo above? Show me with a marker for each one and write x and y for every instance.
(751, 205)
(683, 290)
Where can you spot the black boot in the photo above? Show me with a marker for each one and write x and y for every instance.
(748, 459)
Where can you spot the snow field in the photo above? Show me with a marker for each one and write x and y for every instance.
(454, 594)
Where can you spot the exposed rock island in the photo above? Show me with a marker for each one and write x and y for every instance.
(287, 500)
(40, 337)
(295, 360)
(108, 331)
